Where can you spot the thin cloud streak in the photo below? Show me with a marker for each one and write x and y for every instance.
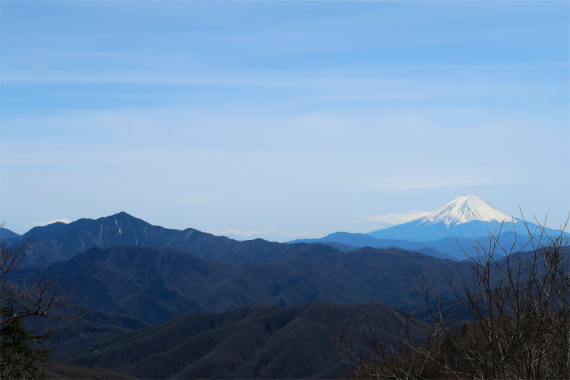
(392, 219)
(62, 220)
(380, 88)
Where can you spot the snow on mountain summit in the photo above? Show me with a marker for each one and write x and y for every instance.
(463, 209)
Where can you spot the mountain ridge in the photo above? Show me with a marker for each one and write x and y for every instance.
(59, 241)
(7, 234)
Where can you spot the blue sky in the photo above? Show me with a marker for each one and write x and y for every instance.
(282, 119)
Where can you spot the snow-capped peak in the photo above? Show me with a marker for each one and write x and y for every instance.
(464, 209)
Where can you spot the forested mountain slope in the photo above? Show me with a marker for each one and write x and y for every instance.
(247, 343)
(157, 284)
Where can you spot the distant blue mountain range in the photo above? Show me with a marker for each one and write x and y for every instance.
(448, 231)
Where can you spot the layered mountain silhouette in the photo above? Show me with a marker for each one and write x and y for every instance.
(444, 233)
(59, 241)
(157, 284)
(125, 288)
(165, 303)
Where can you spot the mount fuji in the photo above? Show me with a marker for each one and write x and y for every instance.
(465, 217)
(445, 232)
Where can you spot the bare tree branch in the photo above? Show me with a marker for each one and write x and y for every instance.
(511, 317)
(20, 300)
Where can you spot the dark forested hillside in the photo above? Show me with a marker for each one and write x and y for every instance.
(68, 336)
(247, 343)
(57, 371)
(157, 284)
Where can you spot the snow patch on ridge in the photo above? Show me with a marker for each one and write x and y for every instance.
(463, 209)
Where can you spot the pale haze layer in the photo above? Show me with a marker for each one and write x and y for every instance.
(282, 120)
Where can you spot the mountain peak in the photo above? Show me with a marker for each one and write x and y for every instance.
(463, 209)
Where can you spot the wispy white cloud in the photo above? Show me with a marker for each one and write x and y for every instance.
(62, 220)
(392, 219)
(322, 89)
